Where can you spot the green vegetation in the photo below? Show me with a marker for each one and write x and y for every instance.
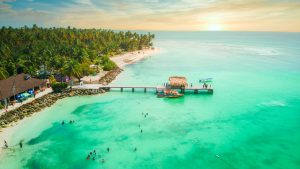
(108, 64)
(65, 51)
(58, 87)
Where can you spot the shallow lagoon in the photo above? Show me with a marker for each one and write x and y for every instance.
(251, 121)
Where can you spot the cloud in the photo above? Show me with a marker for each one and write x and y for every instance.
(4, 7)
(251, 15)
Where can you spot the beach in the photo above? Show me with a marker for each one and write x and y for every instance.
(131, 57)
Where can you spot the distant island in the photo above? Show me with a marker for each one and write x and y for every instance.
(42, 52)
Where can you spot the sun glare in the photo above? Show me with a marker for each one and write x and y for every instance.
(214, 27)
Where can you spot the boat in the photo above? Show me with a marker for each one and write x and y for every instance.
(205, 80)
(168, 93)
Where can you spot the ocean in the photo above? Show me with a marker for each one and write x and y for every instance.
(251, 121)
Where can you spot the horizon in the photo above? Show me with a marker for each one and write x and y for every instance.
(137, 30)
(155, 15)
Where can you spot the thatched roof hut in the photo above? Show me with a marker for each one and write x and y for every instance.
(177, 82)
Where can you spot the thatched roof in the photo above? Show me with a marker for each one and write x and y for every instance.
(20, 83)
(177, 81)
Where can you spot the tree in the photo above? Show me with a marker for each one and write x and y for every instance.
(30, 47)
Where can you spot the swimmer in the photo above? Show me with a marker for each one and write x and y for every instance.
(135, 149)
(63, 122)
(70, 121)
(95, 152)
(141, 131)
(91, 153)
(107, 149)
(21, 144)
(88, 157)
(102, 161)
(94, 158)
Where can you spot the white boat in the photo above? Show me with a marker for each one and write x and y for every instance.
(205, 80)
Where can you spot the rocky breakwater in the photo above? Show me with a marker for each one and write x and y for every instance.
(110, 76)
(46, 101)
(40, 103)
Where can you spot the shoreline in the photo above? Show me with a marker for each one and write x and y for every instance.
(121, 60)
(128, 58)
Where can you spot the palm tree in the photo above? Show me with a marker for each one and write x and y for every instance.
(72, 69)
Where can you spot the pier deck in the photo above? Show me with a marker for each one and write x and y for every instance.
(195, 89)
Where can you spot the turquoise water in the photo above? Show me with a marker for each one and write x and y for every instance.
(251, 121)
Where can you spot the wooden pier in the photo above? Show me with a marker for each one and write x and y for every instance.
(195, 90)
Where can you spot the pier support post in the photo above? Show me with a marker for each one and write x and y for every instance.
(182, 90)
(121, 89)
(145, 90)
(132, 89)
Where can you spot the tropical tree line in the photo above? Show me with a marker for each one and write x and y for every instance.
(65, 51)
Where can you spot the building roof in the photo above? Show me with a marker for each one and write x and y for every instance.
(20, 83)
(177, 81)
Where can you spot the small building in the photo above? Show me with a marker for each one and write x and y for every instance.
(18, 85)
(177, 82)
(62, 78)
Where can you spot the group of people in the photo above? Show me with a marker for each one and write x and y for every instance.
(70, 122)
(6, 145)
(93, 155)
(205, 85)
(145, 115)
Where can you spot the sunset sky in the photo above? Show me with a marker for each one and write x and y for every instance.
(185, 15)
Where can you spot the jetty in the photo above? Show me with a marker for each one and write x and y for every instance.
(177, 83)
(195, 90)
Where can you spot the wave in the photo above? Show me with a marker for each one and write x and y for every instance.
(274, 103)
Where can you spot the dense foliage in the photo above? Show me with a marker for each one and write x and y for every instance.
(67, 51)
(58, 87)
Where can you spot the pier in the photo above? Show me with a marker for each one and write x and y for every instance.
(195, 90)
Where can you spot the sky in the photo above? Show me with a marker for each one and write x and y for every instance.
(168, 15)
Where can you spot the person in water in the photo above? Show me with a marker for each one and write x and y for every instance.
(102, 161)
(107, 149)
(21, 144)
(141, 131)
(135, 149)
(5, 144)
(63, 122)
(88, 157)
(71, 122)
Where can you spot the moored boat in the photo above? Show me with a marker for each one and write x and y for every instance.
(168, 93)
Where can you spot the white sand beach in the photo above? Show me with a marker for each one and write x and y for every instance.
(132, 57)
(121, 60)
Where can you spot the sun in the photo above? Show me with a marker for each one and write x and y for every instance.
(214, 27)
